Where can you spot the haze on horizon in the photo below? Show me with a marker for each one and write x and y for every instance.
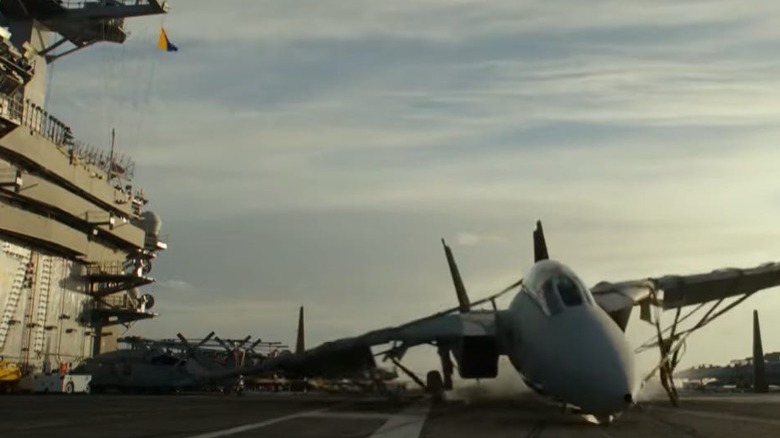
(314, 154)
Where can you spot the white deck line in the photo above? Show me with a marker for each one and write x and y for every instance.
(721, 416)
(406, 424)
(259, 424)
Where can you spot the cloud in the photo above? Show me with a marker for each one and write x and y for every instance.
(175, 285)
(445, 21)
(315, 155)
(471, 239)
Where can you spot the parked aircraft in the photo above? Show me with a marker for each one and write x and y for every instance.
(566, 340)
(142, 369)
(172, 364)
(756, 373)
(372, 379)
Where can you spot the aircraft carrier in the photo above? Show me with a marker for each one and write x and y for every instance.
(76, 243)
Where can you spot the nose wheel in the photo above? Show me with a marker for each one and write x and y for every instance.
(604, 420)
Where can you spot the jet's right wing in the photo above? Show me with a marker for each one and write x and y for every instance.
(671, 291)
(676, 291)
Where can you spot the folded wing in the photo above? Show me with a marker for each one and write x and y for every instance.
(676, 291)
(348, 355)
(471, 336)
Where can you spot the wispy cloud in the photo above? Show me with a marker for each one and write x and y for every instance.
(472, 239)
(175, 285)
(448, 21)
(315, 154)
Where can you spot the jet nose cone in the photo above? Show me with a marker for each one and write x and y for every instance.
(600, 375)
(609, 390)
(617, 373)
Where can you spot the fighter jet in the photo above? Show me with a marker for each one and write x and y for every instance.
(566, 340)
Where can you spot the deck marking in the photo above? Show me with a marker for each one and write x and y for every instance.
(43, 425)
(246, 427)
(736, 398)
(351, 415)
(723, 416)
(406, 424)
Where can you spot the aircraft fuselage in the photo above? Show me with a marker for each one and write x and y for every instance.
(567, 347)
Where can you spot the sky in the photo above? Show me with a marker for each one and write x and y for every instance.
(314, 153)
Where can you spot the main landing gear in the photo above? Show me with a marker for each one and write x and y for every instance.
(434, 385)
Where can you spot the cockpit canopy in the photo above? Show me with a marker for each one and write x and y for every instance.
(555, 287)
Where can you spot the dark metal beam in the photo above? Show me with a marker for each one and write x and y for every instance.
(108, 12)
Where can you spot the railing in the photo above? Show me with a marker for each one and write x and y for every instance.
(109, 268)
(13, 58)
(78, 4)
(46, 125)
(116, 302)
(11, 108)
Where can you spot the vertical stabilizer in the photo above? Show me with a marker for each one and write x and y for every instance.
(460, 290)
(759, 368)
(540, 245)
(300, 342)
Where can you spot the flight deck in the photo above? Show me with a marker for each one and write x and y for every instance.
(319, 416)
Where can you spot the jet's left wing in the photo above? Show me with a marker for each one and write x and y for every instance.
(347, 355)
(676, 291)
(468, 334)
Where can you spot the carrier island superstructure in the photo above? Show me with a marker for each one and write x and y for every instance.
(75, 242)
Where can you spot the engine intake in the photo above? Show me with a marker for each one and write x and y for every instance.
(477, 357)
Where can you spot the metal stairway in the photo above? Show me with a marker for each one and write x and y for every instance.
(14, 296)
(44, 286)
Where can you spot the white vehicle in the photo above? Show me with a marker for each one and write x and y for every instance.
(56, 383)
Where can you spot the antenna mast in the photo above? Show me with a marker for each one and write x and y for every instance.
(111, 155)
